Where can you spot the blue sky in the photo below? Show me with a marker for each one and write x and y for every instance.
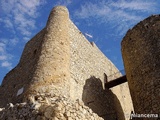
(103, 21)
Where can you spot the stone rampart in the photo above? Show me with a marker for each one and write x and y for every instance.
(141, 54)
(59, 60)
(88, 68)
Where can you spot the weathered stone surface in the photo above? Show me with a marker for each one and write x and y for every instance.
(141, 55)
(53, 111)
(60, 61)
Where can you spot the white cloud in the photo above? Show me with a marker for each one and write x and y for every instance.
(6, 64)
(3, 57)
(14, 41)
(21, 14)
(7, 5)
(26, 38)
(64, 2)
(120, 14)
(134, 5)
(18, 17)
(88, 35)
(2, 44)
(30, 7)
(10, 42)
(2, 47)
(8, 23)
(112, 9)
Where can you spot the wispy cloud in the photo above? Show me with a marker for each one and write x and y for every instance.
(134, 5)
(2, 46)
(120, 14)
(5, 57)
(18, 20)
(64, 2)
(20, 15)
(88, 35)
(26, 38)
(7, 64)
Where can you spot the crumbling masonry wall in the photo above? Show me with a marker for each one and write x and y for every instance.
(141, 55)
(88, 66)
(60, 61)
(21, 76)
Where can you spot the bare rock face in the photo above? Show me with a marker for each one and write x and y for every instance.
(140, 50)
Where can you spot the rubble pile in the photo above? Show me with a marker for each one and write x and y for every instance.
(48, 108)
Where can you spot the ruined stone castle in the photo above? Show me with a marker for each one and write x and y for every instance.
(141, 55)
(62, 76)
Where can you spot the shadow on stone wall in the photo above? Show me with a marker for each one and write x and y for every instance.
(103, 102)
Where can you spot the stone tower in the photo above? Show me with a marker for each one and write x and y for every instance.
(141, 55)
(45, 61)
(59, 62)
